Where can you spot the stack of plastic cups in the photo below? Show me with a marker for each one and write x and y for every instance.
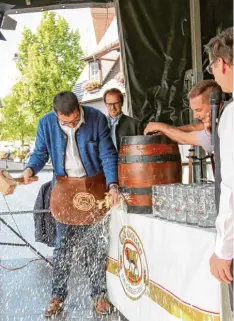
(163, 212)
(191, 200)
(171, 202)
(155, 200)
(208, 215)
(180, 203)
(159, 198)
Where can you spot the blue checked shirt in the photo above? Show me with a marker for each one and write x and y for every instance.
(113, 122)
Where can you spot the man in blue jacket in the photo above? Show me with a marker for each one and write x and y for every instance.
(77, 139)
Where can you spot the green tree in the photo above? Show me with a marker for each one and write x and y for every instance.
(49, 61)
(16, 123)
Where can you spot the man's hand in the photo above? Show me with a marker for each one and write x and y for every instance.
(221, 269)
(153, 127)
(27, 174)
(114, 194)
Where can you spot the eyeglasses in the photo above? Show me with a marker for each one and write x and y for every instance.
(116, 104)
(72, 122)
(209, 68)
(67, 123)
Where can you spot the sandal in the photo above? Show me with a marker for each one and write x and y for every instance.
(55, 307)
(102, 305)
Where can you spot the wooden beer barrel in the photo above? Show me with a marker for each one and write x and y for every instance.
(145, 161)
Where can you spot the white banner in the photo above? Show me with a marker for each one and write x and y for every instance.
(159, 270)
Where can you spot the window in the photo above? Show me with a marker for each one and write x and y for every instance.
(94, 71)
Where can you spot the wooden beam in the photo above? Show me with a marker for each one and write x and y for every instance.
(107, 59)
(103, 52)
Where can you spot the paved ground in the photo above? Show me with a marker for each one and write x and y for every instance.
(24, 294)
(22, 199)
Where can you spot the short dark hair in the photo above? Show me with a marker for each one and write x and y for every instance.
(221, 46)
(114, 91)
(204, 88)
(65, 103)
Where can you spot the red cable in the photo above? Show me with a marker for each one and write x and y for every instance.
(20, 267)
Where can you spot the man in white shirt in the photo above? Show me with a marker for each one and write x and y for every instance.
(193, 134)
(220, 51)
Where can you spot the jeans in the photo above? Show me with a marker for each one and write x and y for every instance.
(91, 242)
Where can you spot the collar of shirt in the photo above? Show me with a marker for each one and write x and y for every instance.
(73, 164)
(82, 119)
(115, 120)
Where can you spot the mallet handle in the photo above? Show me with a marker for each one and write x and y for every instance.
(21, 179)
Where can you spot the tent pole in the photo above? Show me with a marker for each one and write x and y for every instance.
(197, 70)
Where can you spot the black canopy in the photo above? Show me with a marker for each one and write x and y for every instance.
(155, 39)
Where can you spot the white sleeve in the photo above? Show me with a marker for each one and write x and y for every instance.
(225, 219)
(204, 140)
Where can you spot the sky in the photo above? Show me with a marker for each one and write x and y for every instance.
(77, 18)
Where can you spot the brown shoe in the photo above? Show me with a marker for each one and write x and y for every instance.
(102, 305)
(55, 307)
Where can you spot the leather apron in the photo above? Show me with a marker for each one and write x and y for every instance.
(78, 201)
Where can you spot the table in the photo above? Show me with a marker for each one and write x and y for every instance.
(159, 270)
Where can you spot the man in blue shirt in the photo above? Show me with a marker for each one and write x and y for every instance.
(77, 139)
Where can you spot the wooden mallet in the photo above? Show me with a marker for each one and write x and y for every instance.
(8, 183)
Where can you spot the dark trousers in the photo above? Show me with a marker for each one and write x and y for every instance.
(88, 241)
